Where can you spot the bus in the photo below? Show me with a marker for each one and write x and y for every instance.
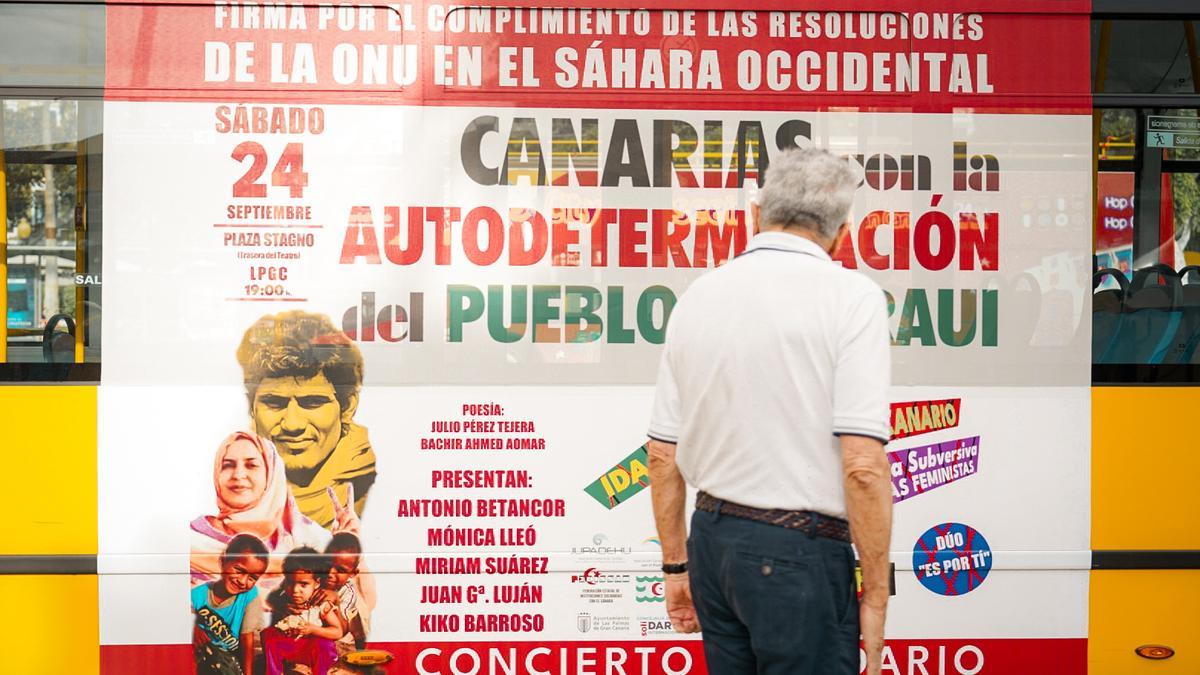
(389, 281)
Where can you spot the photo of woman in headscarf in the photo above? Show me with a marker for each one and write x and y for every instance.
(253, 497)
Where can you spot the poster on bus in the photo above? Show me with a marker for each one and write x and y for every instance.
(390, 285)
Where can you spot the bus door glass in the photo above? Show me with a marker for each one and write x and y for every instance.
(53, 276)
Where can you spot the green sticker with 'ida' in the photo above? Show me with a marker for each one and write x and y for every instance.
(629, 477)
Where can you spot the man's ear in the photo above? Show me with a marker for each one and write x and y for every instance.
(754, 216)
(350, 409)
(842, 233)
(254, 420)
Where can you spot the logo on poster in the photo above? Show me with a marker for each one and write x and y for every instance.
(654, 625)
(649, 562)
(650, 589)
(589, 623)
(616, 485)
(592, 576)
(598, 548)
(589, 576)
(599, 588)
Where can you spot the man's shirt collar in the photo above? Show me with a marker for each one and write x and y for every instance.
(787, 242)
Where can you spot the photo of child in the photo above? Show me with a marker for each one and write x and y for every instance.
(305, 623)
(228, 610)
(350, 588)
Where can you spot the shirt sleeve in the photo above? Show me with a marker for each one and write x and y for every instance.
(256, 615)
(863, 372)
(665, 417)
(348, 601)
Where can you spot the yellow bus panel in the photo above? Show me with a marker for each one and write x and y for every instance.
(57, 630)
(49, 440)
(1132, 608)
(1144, 468)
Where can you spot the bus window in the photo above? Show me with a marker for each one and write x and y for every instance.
(1146, 285)
(1143, 56)
(51, 45)
(1146, 282)
(52, 67)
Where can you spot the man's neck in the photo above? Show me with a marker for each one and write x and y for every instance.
(303, 477)
(803, 233)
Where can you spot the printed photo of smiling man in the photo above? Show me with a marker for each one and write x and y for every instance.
(303, 378)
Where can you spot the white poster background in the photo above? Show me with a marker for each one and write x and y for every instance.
(171, 386)
(1026, 499)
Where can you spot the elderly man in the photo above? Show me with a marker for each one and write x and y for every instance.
(771, 401)
(303, 376)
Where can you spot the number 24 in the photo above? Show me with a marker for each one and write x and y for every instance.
(288, 171)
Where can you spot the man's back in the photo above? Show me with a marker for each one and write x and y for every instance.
(772, 355)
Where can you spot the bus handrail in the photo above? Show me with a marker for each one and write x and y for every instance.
(80, 245)
(48, 334)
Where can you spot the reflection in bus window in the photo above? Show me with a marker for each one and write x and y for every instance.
(1146, 301)
(51, 45)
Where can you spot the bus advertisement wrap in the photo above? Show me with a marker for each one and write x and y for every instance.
(392, 282)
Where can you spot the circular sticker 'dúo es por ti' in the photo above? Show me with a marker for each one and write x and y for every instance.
(951, 559)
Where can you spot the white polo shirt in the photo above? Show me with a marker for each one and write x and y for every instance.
(767, 359)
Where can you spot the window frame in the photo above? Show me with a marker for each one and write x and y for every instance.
(1182, 374)
(33, 371)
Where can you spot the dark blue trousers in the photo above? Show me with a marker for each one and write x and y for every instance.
(772, 601)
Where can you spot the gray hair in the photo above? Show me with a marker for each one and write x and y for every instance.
(809, 188)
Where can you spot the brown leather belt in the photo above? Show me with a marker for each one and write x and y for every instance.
(809, 522)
